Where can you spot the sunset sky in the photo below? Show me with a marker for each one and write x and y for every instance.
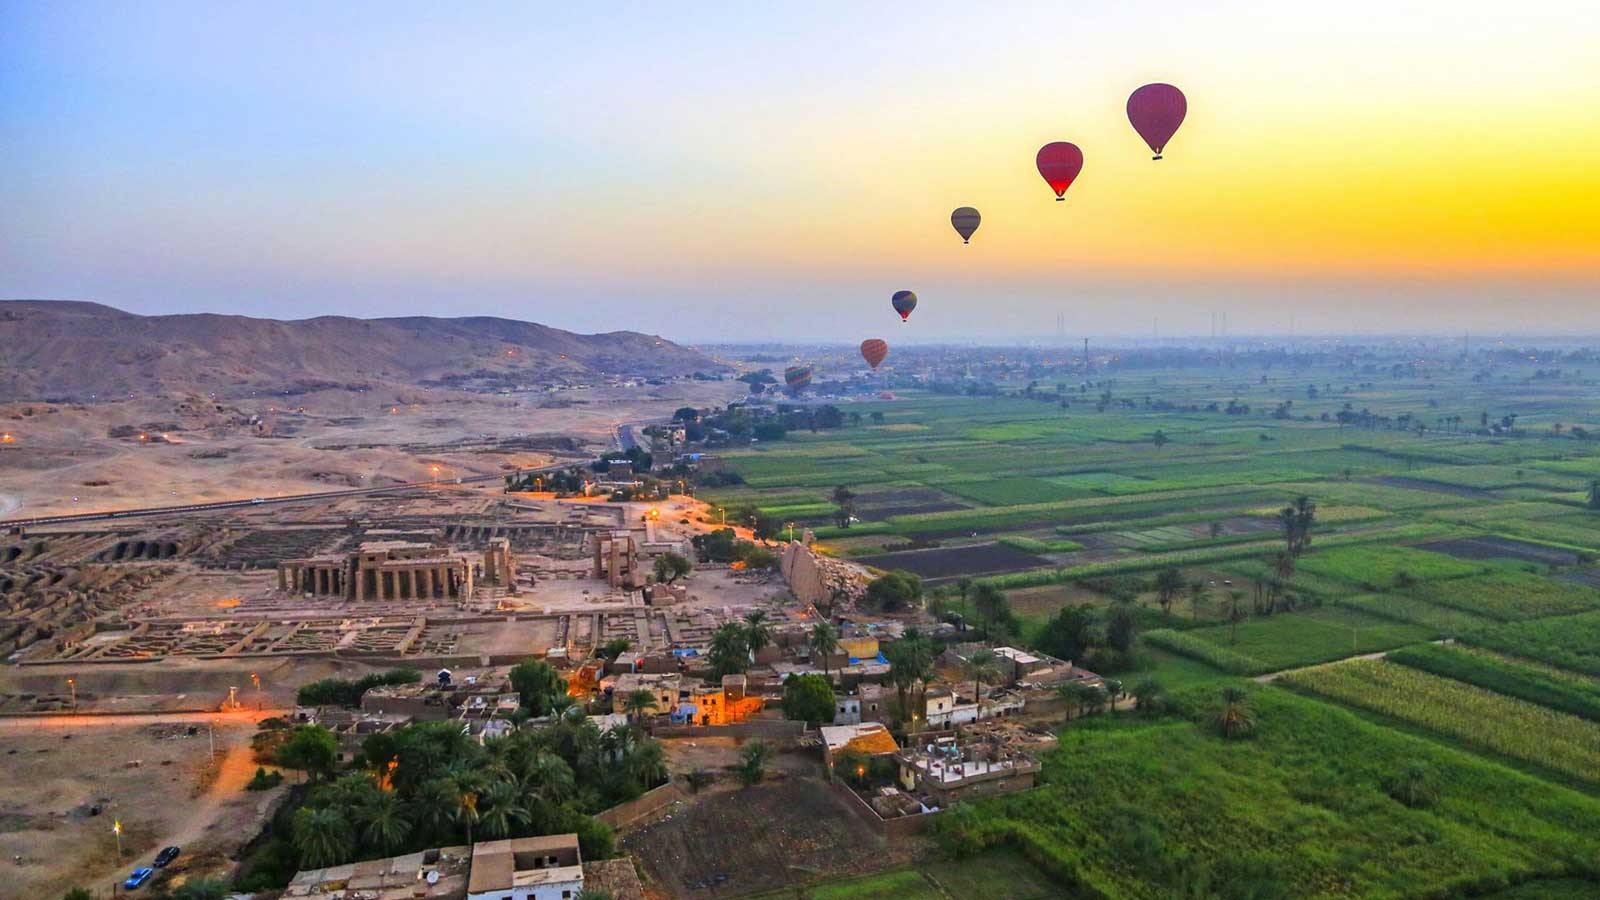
(741, 173)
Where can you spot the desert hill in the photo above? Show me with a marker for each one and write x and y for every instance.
(72, 350)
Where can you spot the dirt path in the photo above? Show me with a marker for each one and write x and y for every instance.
(208, 812)
(1274, 676)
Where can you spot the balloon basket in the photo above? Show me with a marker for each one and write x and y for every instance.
(1061, 199)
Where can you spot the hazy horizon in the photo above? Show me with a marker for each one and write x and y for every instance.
(741, 175)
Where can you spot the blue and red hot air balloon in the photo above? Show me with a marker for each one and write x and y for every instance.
(1059, 163)
(903, 302)
(1156, 111)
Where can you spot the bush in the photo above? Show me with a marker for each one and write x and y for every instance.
(264, 780)
(808, 698)
(344, 692)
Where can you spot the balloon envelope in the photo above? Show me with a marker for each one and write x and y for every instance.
(1156, 111)
(903, 302)
(797, 378)
(966, 221)
(1059, 163)
(873, 351)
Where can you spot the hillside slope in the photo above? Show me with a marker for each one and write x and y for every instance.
(64, 349)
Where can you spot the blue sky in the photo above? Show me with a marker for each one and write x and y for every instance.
(751, 171)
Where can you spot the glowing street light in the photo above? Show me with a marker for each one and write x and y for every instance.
(116, 829)
(72, 685)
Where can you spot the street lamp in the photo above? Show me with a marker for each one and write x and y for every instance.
(791, 532)
(255, 680)
(72, 685)
(116, 829)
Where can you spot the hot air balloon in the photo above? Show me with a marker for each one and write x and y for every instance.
(797, 378)
(1156, 111)
(873, 351)
(903, 302)
(966, 221)
(1060, 163)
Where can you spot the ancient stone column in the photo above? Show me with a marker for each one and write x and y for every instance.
(361, 584)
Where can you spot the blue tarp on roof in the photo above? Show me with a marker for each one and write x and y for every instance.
(881, 658)
(685, 651)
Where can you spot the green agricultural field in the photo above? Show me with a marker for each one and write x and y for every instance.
(1568, 642)
(1509, 596)
(1168, 809)
(1536, 683)
(1289, 640)
(1442, 620)
(1479, 718)
(1379, 565)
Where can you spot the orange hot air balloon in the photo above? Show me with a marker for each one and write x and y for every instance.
(873, 351)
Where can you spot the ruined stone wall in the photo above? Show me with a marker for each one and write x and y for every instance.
(813, 578)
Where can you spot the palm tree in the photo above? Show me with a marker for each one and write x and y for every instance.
(549, 776)
(639, 702)
(824, 641)
(1079, 697)
(386, 826)
(1169, 582)
(729, 653)
(1199, 594)
(503, 810)
(321, 837)
(465, 788)
(433, 808)
(1235, 614)
(980, 666)
(1233, 717)
(647, 763)
(757, 633)
(752, 766)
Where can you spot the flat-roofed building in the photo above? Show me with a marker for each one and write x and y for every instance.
(535, 868)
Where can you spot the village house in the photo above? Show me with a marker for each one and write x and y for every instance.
(867, 738)
(536, 868)
(945, 767)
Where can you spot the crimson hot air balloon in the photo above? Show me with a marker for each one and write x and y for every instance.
(1059, 163)
(903, 302)
(966, 221)
(1156, 111)
(797, 378)
(873, 351)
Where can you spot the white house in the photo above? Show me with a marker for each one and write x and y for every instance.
(536, 868)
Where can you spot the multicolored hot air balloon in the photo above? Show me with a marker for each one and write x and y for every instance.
(797, 378)
(1156, 111)
(966, 221)
(903, 302)
(1059, 163)
(873, 351)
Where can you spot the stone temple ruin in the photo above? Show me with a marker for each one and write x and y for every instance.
(398, 570)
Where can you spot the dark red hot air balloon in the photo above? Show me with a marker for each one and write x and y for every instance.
(873, 351)
(903, 302)
(1060, 163)
(1156, 111)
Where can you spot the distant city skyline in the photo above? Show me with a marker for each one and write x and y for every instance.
(732, 174)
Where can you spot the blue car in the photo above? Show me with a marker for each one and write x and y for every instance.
(139, 876)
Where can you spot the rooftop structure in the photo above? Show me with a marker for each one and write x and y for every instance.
(427, 875)
(535, 868)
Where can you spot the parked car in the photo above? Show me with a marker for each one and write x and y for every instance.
(139, 876)
(167, 855)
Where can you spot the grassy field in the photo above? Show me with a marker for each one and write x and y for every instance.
(1137, 809)
(1569, 642)
(1306, 637)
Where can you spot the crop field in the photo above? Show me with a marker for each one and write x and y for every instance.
(1138, 809)
(1306, 637)
(1479, 718)
(1536, 683)
(1381, 566)
(1568, 642)
(1510, 596)
(950, 562)
(1441, 620)
(986, 874)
